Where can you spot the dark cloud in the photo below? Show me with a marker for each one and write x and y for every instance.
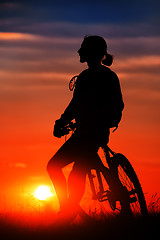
(45, 17)
(36, 53)
(79, 30)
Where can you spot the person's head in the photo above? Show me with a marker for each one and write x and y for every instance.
(93, 50)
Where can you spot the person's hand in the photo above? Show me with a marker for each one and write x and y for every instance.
(57, 128)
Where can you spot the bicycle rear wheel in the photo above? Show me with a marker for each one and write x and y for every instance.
(130, 181)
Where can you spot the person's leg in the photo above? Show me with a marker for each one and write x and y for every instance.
(59, 182)
(76, 184)
(81, 149)
(86, 159)
(54, 167)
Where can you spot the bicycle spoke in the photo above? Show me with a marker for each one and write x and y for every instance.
(127, 182)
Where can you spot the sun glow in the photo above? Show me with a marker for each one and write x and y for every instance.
(43, 192)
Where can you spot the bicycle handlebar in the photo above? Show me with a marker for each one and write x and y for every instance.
(68, 128)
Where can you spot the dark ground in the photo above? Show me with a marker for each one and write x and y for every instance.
(106, 228)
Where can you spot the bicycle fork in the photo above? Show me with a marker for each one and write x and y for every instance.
(101, 194)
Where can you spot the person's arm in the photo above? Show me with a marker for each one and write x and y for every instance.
(69, 113)
(65, 118)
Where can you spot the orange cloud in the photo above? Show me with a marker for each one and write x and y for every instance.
(16, 36)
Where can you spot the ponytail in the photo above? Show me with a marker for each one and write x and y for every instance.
(108, 59)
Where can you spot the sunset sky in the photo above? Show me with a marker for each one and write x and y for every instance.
(38, 56)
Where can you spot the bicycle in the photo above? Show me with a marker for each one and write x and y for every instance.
(129, 197)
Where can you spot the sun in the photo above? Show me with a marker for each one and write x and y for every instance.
(43, 192)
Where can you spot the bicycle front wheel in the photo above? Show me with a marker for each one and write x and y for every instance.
(130, 181)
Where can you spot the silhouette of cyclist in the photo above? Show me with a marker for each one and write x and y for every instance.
(91, 106)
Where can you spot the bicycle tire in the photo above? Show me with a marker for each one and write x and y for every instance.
(129, 179)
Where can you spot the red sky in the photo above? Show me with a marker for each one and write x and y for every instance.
(38, 57)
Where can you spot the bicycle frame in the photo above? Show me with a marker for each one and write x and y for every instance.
(102, 194)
